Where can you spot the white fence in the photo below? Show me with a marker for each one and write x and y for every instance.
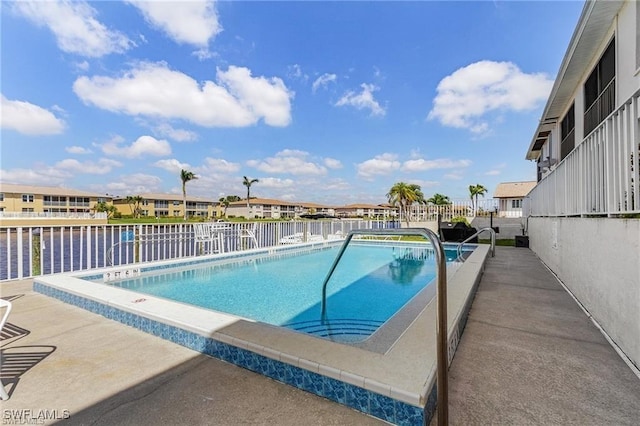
(600, 176)
(27, 251)
(457, 208)
(56, 215)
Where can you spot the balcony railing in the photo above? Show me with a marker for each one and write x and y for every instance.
(600, 176)
(601, 108)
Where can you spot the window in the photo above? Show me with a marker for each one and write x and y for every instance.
(1, 196)
(599, 90)
(567, 133)
(27, 210)
(79, 201)
(159, 204)
(177, 203)
(516, 204)
(27, 198)
(55, 200)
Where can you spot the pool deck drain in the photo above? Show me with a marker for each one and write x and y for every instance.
(527, 356)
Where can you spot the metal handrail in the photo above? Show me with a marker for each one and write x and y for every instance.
(442, 341)
(493, 241)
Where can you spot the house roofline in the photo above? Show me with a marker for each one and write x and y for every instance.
(587, 39)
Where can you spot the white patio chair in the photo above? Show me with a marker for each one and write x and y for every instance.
(249, 234)
(7, 308)
(209, 237)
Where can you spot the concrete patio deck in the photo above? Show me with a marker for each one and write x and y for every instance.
(529, 355)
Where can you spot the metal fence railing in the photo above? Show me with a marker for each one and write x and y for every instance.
(27, 251)
(601, 176)
(52, 215)
(458, 208)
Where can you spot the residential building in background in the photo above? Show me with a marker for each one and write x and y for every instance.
(51, 203)
(510, 196)
(168, 205)
(382, 211)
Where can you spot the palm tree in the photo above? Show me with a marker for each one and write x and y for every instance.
(439, 200)
(248, 182)
(103, 207)
(474, 191)
(404, 195)
(134, 202)
(225, 201)
(186, 176)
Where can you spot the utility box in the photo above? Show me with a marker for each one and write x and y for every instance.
(522, 241)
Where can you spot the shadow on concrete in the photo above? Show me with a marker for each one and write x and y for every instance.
(204, 390)
(12, 333)
(17, 360)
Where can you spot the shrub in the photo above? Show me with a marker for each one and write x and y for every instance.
(461, 219)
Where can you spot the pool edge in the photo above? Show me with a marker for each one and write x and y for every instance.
(370, 397)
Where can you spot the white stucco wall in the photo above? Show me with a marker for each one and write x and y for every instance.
(599, 261)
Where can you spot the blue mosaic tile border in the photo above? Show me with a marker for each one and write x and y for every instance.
(380, 406)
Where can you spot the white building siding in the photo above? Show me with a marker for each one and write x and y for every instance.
(599, 262)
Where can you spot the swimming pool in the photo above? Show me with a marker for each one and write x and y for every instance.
(372, 283)
(390, 375)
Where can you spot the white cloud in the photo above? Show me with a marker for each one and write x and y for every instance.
(82, 66)
(103, 166)
(204, 53)
(454, 175)
(80, 150)
(362, 100)
(144, 145)
(192, 22)
(276, 183)
(75, 27)
(180, 135)
(172, 165)
(465, 96)
(288, 161)
(134, 184)
(492, 173)
(295, 71)
(323, 81)
(332, 163)
(29, 119)
(383, 164)
(47, 175)
(40, 175)
(152, 89)
(218, 166)
(420, 164)
(426, 183)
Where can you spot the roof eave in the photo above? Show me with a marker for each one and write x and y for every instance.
(576, 60)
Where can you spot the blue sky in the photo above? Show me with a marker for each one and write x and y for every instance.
(328, 102)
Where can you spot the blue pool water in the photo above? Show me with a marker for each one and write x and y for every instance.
(370, 284)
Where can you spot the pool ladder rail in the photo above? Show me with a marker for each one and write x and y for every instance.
(442, 344)
(493, 241)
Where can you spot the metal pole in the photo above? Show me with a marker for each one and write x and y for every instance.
(442, 337)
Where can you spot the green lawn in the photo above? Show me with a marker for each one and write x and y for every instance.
(503, 242)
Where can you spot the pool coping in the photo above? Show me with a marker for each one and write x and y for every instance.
(397, 386)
